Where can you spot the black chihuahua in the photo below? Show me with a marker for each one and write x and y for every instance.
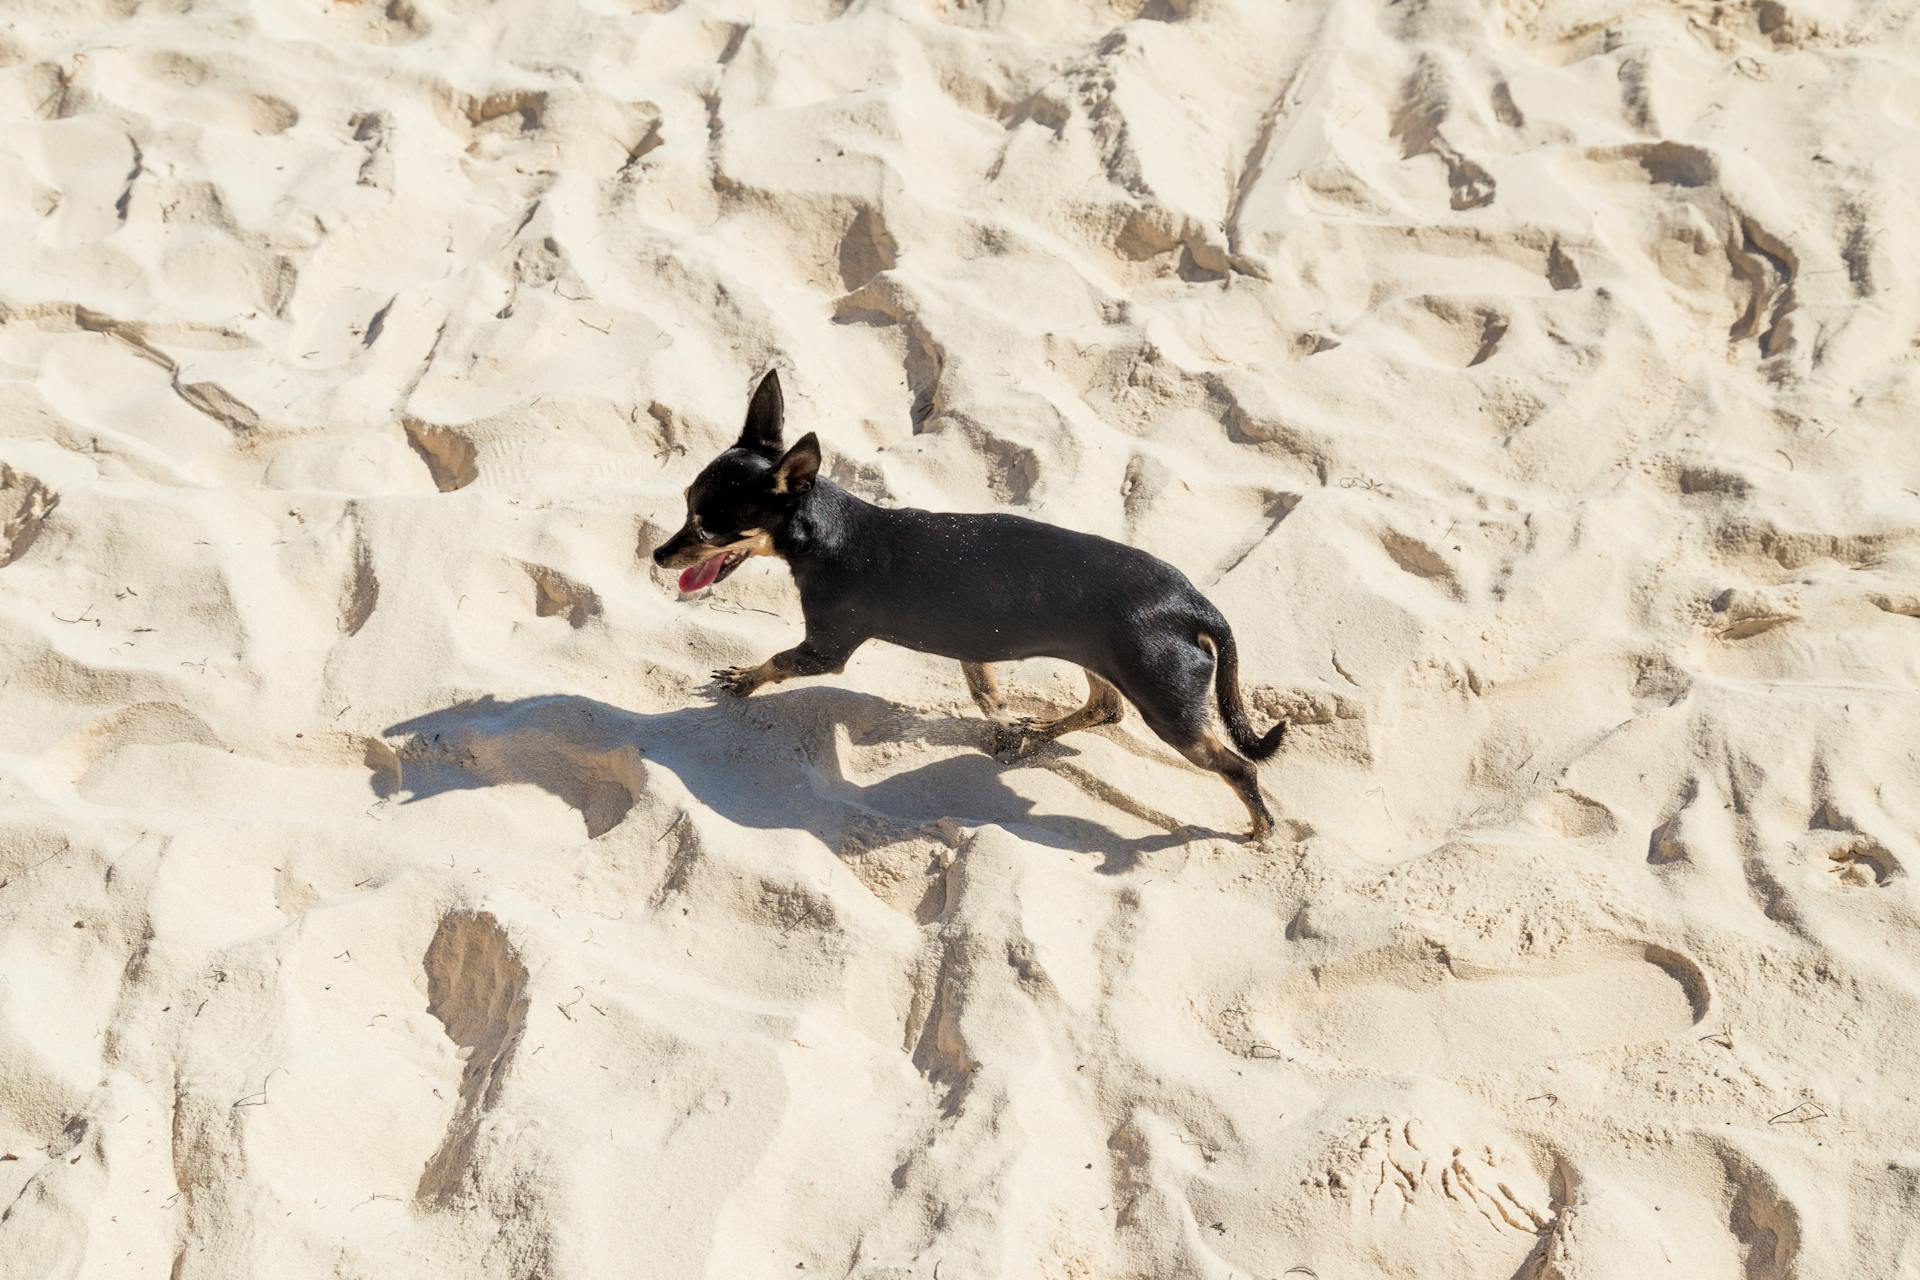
(976, 588)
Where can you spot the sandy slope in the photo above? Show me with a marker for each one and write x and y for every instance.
(1532, 384)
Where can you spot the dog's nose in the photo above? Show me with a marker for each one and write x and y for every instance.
(660, 554)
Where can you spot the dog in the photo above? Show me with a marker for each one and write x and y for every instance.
(979, 589)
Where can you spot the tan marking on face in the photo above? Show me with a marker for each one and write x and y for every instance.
(755, 542)
(751, 542)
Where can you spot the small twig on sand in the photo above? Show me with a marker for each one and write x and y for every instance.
(85, 616)
(1792, 1115)
(728, 606)
(258, 1098)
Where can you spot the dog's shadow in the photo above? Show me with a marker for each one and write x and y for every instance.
(769, 763)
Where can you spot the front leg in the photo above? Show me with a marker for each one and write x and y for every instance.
(810, 657)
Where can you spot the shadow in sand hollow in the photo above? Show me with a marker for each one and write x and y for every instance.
(769, 763)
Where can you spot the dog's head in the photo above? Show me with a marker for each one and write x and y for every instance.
(743, 497)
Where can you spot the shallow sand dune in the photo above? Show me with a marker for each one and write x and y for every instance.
(382, 892)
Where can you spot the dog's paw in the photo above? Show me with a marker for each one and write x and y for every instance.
(1010, 740)
(738, 681)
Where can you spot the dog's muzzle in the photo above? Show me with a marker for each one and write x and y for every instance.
(701, 564)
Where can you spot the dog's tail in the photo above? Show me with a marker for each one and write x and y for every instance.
(1216, 635)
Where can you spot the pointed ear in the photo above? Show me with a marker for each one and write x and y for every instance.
(796, 470)
(765, 416)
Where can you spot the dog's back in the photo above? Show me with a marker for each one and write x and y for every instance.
(993, 588)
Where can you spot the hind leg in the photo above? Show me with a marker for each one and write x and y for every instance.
(1173, 688)
(985, 690)
(1023, 737)
(1211, 753)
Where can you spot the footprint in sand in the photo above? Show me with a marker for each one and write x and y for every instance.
(1863, 865)
(1405, 1009)
(448, 454)
(1425, 104)
(477, 988)
(1853, 859)
(25, 504)
(557, 595)
(360, 589)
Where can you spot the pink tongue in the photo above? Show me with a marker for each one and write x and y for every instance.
(701, 575)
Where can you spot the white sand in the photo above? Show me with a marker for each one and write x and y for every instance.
(1532, 385)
